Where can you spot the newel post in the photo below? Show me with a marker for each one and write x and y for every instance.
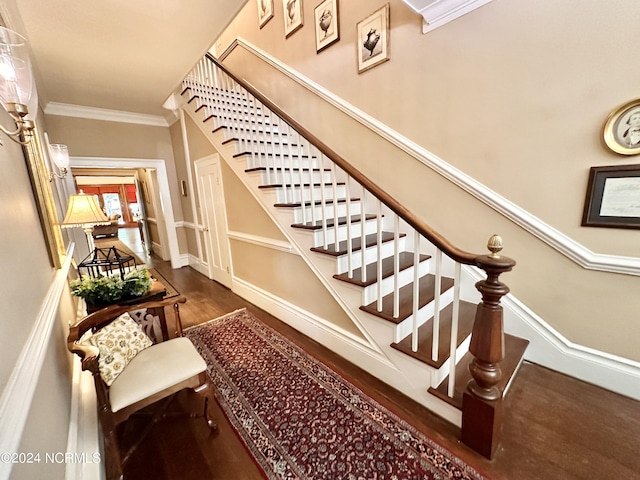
(482, 399)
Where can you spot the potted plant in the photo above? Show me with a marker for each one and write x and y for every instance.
(102, 291)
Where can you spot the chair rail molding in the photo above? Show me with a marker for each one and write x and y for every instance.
(436, 13)
(554, 238)
(18, 393)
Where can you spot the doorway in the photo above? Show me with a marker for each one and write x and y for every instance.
(213, 219)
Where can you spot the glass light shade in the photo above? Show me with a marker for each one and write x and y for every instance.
(83, 210)
(59, 155)
(15, 68)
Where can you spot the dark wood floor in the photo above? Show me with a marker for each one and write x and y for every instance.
(555, 427)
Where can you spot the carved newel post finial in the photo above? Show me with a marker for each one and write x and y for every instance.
(495, 245)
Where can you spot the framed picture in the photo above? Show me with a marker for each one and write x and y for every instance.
(265, 11)
(292, 16)
(622, 129)
(327, 24)
(613, 197)
(372, 39)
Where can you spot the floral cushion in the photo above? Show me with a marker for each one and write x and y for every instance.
(118, 343)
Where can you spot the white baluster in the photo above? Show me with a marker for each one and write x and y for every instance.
(436, 306)
(323, 208)
(334, 190)
(416, 291)
(378, 253)
(349, 236)
(454, 331)
(396, 266)
(363, 242)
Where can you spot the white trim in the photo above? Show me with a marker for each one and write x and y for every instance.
(532, 224)
(188, 163)
(436, 13)
(328, 334)
(163, 184)
(104, 114)
(83, 421)
(185, 224)
(551, 349)
(15, 402)
(261, 241)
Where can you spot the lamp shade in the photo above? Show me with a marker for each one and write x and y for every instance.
(15, 68)
(83, 210)
(59, 155)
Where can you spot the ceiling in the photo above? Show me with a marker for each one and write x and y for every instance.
(126, 55)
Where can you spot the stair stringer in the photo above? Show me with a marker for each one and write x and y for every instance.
(375, 355)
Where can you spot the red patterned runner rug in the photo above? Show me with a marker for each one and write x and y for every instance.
(301, 420)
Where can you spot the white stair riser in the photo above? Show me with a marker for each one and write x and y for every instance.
(404, 328)
(370, 255)
(295, 195)
(405, 277)
(285, 147)
(354, 209)
(274, 176)
(370, 226)
(256, 160)
(441, 373)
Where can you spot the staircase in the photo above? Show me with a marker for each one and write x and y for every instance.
(431, 334)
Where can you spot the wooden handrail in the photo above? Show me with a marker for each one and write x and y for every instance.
(417, 223)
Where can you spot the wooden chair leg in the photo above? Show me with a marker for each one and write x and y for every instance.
(205, 389)
(113, 464)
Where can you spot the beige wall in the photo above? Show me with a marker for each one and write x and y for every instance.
(513, 94)
(27, 275)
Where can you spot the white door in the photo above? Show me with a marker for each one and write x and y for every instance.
(214, 222)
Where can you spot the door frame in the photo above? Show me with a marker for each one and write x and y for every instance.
(167, 234)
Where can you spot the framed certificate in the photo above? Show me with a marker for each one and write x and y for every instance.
(613, 197)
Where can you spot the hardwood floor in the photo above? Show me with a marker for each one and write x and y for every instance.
(555, 427)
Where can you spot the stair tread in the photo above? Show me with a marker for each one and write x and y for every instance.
(405, 260)
(426, 286)
(316, 203)
(286, 169)
(277, 154)
(317, 225)
(356, 244)
(261, 142)
(466, 318)
(514, 353)
(251, 129)
(297, 185)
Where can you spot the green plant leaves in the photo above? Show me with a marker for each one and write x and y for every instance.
(110, 289)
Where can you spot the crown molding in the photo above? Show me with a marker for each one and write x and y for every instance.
(93, 113)
(437, 13)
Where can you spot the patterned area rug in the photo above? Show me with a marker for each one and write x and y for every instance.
(300, 420)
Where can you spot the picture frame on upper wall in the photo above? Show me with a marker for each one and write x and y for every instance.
(327, 22)
(265, 11)
(372, 39)
(613, 197)
(622, 129)
(292, 16)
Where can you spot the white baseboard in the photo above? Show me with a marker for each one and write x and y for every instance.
(550, 349)
(84, 428)
(335, 338)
